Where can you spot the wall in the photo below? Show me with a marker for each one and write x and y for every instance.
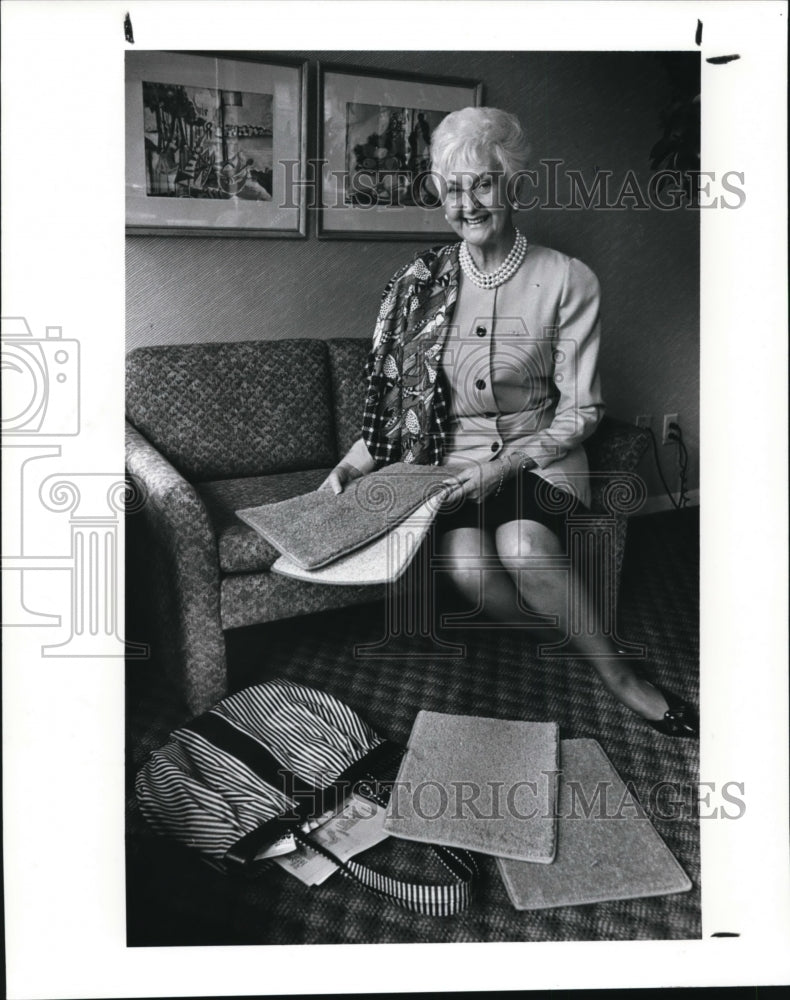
(591, 110)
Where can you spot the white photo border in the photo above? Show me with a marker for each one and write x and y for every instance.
(64, 723)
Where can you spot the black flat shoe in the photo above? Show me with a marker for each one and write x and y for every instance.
(680, 719)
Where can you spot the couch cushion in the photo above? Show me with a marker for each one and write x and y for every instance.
(347, 359)
(242, 550)
(254, 598)
(221, 411)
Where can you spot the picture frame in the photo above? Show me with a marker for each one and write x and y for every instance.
(215, 146)
(379, 189)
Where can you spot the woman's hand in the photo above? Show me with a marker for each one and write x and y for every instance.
(340, 477)
(485, 479)
(477, 481)
(355, 463)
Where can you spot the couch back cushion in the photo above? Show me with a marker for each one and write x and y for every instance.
(230, 410)
(347, 359)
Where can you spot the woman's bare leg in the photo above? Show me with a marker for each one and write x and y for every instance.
(520, 545)
(468, 554)
(503, 594)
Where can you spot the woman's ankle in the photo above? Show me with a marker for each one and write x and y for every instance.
(639, 695)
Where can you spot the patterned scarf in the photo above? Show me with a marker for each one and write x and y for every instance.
(406, 409)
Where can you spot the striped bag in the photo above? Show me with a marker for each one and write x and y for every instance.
(261, 763)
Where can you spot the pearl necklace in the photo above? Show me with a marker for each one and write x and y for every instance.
(503, 273)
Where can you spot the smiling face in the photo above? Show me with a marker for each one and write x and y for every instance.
(476, 206)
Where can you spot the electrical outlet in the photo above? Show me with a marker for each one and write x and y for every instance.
(669, 418)
(644, 420)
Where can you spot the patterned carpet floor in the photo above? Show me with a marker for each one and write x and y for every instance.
(173, 898)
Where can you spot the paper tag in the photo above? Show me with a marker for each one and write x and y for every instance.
(358, 826)
(284, 845)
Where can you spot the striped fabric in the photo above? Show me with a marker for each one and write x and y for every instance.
(312, 734)
(196, 790)
(265, 760)
(432, 900)
(199, 794)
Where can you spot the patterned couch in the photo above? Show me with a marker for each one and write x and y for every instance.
(215, 427)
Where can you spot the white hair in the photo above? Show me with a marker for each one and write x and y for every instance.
(476, 135)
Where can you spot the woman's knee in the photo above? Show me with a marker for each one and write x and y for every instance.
(463, 552)
(520, 543)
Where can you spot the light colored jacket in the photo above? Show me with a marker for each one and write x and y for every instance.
(555, 330)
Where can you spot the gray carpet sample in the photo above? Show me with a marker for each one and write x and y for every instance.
(607, 848)
(488, 785)
(380, 561)
(316, 528)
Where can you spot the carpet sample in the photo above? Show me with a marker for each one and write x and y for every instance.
(316, 528)
(380, 561)
(488, 785)
(607, 848)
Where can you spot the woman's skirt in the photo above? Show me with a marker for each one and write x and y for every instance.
(525, 497)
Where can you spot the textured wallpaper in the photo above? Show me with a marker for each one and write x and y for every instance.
(593, 111)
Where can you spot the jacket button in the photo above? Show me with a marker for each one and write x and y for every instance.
(481, 331)
(480, 384)
(496, 446)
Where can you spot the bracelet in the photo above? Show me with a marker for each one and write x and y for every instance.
(502, 474)
(525, 463)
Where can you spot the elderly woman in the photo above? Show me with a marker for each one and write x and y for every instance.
(485, 361)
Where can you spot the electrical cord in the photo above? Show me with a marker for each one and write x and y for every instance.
(676, 434)
(684, 464)
(668, 492)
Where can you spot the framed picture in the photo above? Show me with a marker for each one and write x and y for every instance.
(214, 146)
(374, 134)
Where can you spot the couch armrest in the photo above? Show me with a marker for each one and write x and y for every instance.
(172, 505)
(614, 451)
(188, 598)
(616, 446)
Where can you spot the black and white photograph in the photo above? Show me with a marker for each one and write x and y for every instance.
(385, 551)
(534, 650)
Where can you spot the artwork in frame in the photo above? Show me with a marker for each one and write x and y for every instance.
(215, 146)
(374, 135)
